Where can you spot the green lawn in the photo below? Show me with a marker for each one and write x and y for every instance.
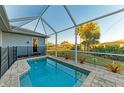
(89, 58)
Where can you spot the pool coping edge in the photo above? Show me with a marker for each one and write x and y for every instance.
(21, 72)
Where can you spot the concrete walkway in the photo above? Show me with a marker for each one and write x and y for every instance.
(99, 76)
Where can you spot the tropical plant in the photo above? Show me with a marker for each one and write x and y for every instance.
(82, 60)
(115, 67)
(67, 56)
(89, 33)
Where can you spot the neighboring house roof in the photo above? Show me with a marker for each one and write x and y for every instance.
(25, 31)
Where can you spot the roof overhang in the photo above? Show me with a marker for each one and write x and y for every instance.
(24, 31)
(4, 23)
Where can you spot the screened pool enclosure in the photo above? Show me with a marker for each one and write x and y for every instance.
(60, 22)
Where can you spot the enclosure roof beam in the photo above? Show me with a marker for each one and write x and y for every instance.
(73, 21)
(23, 24)
(43, 27)
(62, 30)
(101, 17)
(70, 15)
(56, 46)
(41, 16)
(23, 19)
(48, 25)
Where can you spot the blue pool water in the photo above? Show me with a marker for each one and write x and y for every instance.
(47, 72)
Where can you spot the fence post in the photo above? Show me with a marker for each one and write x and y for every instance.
(45, 48)
(0, 62)
(16, 52)
(8, 56)
(94, 59)
(13, 54)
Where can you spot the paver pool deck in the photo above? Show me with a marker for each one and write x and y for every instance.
(98, 77)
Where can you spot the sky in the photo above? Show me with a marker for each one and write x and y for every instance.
(111, 28)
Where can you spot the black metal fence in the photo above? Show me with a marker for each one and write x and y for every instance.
(9, 55)
(24, 51)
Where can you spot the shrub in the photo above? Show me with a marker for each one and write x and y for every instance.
(67, 56)
(115, 67)
(115, 49)
(82, 60)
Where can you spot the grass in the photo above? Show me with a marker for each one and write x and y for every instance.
(92, 59)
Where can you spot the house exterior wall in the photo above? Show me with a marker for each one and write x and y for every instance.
(20, 41)
(10, 39)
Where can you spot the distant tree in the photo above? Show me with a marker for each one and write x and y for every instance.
(89, 33)
(50, 43)
(65, 45)
(51, 46)
(78, 47)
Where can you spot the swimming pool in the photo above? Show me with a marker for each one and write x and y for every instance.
(48, 72)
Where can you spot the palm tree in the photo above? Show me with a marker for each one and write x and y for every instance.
(89, 33)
